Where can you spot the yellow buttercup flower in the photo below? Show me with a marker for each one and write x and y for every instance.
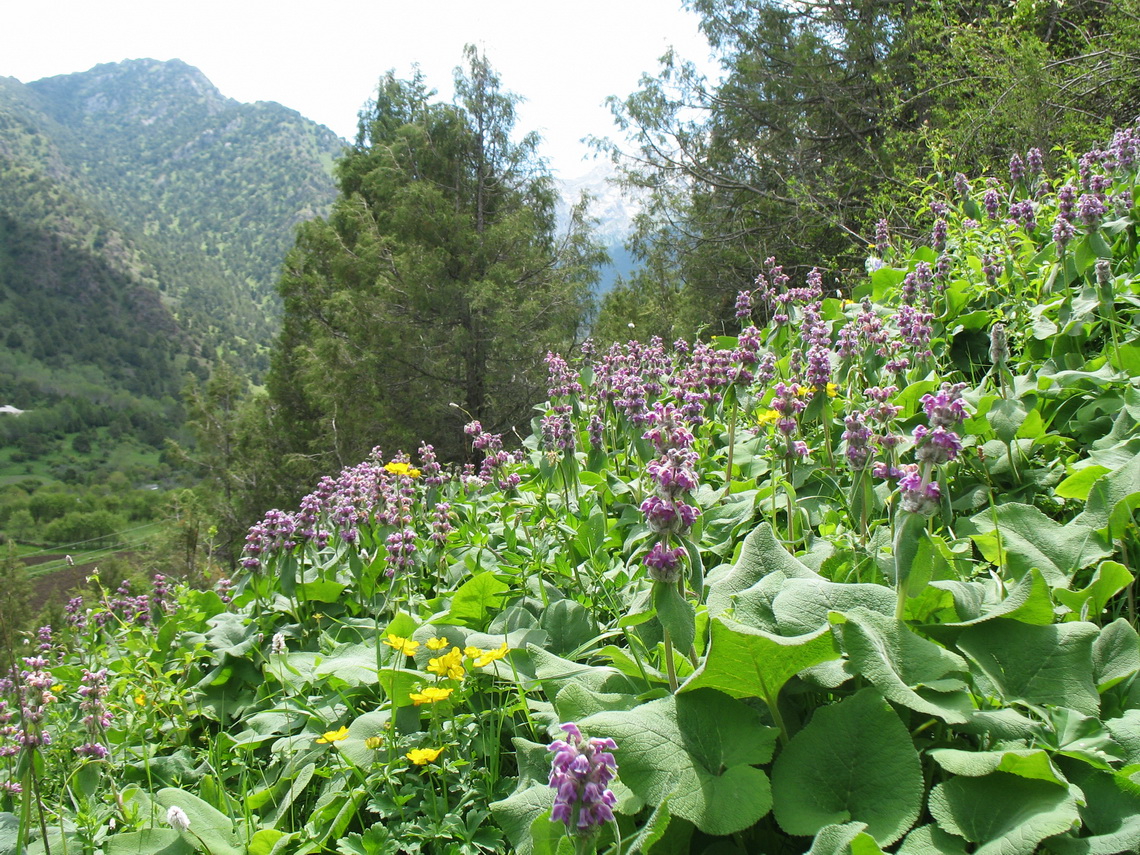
(403, 645)
(374, 742)
(767, 417)
(437, 644)
(431, 695)
(422, 756)
(398, 467)
(448, 665)
(140, 699)
(490, 656)
(832, 390)
(472, 652)
(333, 736)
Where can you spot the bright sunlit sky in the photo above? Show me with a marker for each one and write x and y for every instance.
(323, 59)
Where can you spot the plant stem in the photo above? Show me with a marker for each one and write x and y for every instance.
(670, 667)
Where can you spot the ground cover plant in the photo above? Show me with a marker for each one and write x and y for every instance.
(859, 579)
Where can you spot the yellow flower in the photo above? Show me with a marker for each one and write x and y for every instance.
(403, 645)
(398, 467)
(422, 756)
(472, 652)
(767, 417)
(448, 665)
(430, 695)
(374, 742)
(490, 656)
(333, 736)
(831, 388)
(140, 699)
(437, 644)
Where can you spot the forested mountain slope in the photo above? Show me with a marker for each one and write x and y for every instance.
(144, 220)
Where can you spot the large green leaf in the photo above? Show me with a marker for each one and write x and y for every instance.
(700, 751)
(1020, 538)
(932, 840)
(760, 555)
(150, 841)
(1006, 814)
(906, 668)
(1110, 815)
(1036, 664)
(1032, 763)
(1116, 654)
(1110, 578)
(476, 599)
(1112, 499)
(802, 606)
(854, 761)
(212, 827)
(750, 663)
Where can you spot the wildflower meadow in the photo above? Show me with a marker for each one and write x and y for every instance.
(860, 579)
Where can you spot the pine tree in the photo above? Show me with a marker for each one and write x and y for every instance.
(433, 290)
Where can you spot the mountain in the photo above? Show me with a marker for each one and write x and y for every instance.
(612, 209)
(143, 221)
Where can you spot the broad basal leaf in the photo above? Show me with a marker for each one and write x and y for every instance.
(1021, 538)
(854, 761)
(1036, 664)
(802, 605)
(700, 751)
(908, 669)
(1031, 763)
(1116, 654)
(760, 555)
(750, 663)
(1005, 814)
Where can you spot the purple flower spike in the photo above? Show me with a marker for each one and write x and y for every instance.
(579, 773)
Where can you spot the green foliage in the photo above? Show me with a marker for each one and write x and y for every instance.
(825, 117)
(435, 286)
(850, 582)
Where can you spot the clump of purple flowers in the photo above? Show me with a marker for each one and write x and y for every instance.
(579, 773)
(934, 444)
(96, 716)
(673, 477)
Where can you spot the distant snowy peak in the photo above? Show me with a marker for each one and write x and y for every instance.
(609, 204)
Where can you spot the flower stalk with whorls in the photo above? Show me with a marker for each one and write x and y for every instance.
(579, 774)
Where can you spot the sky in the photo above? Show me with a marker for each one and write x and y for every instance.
(323, 60)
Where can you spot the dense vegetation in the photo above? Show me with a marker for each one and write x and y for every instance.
(144, 221)
(824, 117)
(846, 568)
(856, 579)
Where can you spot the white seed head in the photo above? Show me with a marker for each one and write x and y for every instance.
(177, 819)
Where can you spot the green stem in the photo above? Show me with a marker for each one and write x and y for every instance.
(670, 667)
(731, 449)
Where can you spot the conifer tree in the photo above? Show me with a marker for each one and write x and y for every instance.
(436, 285)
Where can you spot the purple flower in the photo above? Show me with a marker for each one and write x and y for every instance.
(936, 446)
(945, 409)
(1016, 168)
(579, 773)
(917, 495)
(991, 201)
(938, 234)
(1034, 161)
(1090, 210)
(663, 563)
